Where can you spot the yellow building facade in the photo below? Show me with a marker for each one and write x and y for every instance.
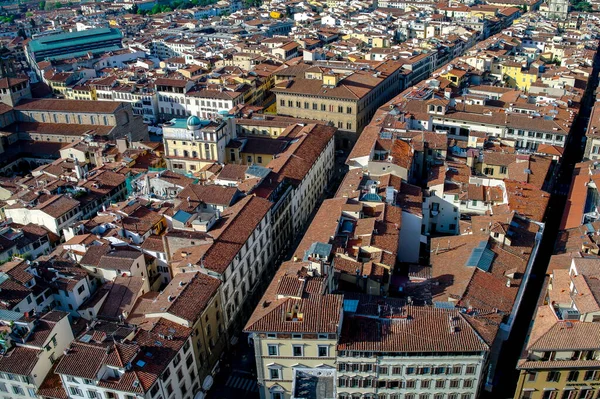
(518, 77)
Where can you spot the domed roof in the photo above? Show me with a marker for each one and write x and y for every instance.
(193, 121)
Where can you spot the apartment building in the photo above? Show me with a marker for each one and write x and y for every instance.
(365, 234)
(192, 143)
(110, 360)
(295, 331)
(30, 346)
(237, 251)
(308, 165)
(177, 98)
(374, 356)
(560, 360)
(498, 255)
(592, 134)
(345, 98)
(528, 131)
(193, 300)
(24, 293)
(583, 201)
(69, 120)
(55, 213)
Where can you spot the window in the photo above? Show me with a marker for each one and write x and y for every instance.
(259, 159)
(549, 394)
(348, 110)
(74, 391)
(297, 350)
(591, 375)
(454, 383)
(315, 106)
(411, 384)
(440, 384)
(323, 107)
(3, 387)
(323, 350)
(276, 395)
(471, 370)
(273, 350)
(296, 336)
(80, 289)
(553, 376)
(93, 394)
(468, 384)
(274, 374)
(425, 384)
(573, 376)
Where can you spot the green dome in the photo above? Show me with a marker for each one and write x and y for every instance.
(193, 121)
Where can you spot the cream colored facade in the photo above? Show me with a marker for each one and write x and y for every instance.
(282, 353)
(348, 113)
(208, 337)
(192, 144)
(563, 361)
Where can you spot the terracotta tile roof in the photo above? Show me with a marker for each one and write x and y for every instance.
(563, 336)
(121, 297)
(153, 243)
(20, 360)
(300, 156)
(57, 205)
(43, 104)
(527, 199)
(241, 219)
(186, 296)
(94, 254)
(52, 386)
(213, 195)
(327, 217)
(412, 329)
(574, 209)
(318, 311)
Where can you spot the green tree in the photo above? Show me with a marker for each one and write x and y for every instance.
(134, 9)
(57, 4)
(156, 9)
(582, 6)
(42, 5)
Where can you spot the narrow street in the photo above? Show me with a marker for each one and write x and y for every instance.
(237, 375)
(511, 351)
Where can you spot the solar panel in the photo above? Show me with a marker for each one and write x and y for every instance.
(485, 262)
(481, 257)
(443, 305)
(350, 305)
